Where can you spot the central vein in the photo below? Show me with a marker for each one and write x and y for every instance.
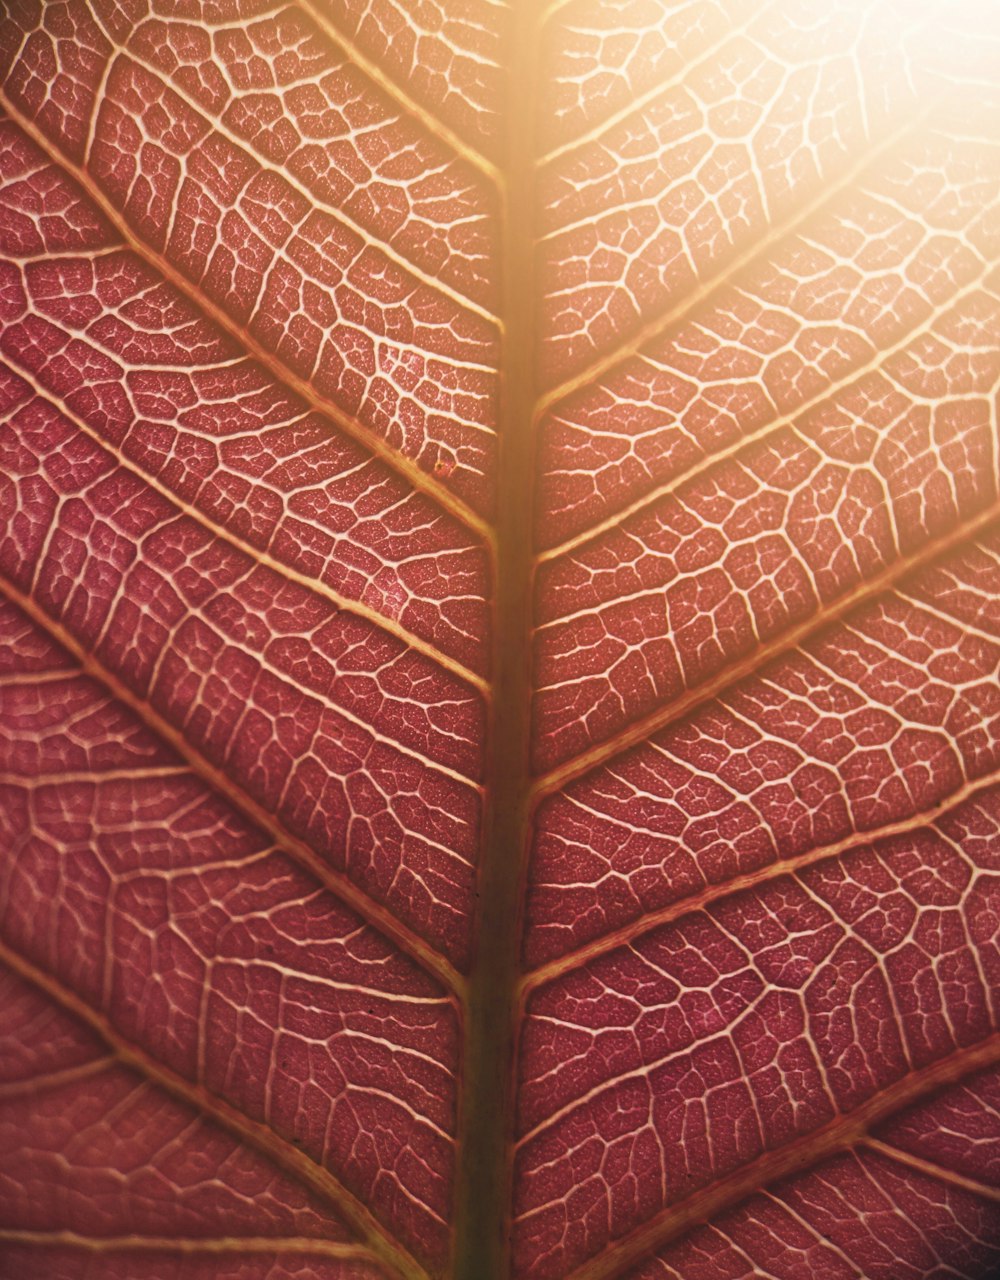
(483, 1189)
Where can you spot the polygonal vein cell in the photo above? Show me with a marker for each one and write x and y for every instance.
(226, 963)
(765, 539)
(886, 715)
(881, 264)
(360, 746)
(405, 360)
(110, 1158)
(96, 326)
(664, 1067)
(643, 211)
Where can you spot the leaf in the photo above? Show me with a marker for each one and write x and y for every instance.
(499, 640)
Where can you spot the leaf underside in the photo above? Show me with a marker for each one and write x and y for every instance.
(499, 640)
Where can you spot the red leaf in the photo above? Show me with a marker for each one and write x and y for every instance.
(499, 640)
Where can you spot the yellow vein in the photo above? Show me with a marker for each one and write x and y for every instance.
(763, 875)
(838, 1135)
(257, 554)
(96, 777)
(351, 426)
(431, 122)
(735, 263)
(936, 1171)
(188, 1246)
(31, 679)
(50, 1080)
(372, 912)
(675, 709)
(281, 1153)
(709, 460)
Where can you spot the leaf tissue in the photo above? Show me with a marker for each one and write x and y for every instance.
(499, 640)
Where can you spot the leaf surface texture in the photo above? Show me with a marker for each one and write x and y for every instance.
(499, 640)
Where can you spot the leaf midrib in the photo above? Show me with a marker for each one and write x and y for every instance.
(485, 1129)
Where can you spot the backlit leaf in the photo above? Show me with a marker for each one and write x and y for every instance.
(499, 640)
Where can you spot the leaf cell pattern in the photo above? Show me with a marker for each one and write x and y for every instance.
(499, 640)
